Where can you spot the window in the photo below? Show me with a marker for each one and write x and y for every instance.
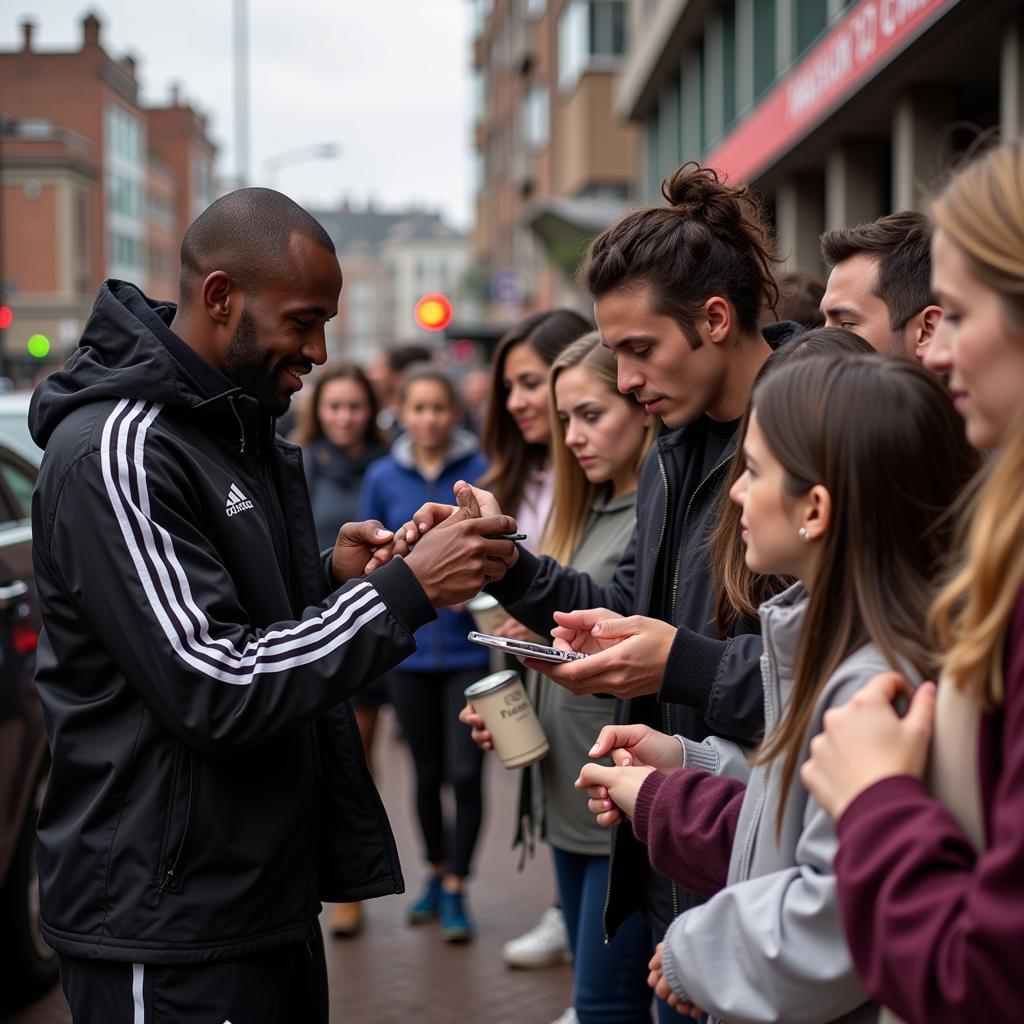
(728, 66)
(811, 19)
(20, 483)
(764, 46)
(537, 117)
(591, 33)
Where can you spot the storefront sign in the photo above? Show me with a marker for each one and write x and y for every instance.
(868, 37)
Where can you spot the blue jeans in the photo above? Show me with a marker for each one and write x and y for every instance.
(610, 984)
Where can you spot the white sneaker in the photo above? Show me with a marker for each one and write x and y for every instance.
(544, 945)
(569, 1017)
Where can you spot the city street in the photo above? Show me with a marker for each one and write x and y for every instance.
(393, 972)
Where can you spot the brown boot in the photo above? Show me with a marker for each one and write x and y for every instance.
(346, 920)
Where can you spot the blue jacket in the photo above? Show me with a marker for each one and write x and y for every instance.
(393, 489)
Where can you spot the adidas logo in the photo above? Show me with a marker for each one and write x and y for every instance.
(237, 502)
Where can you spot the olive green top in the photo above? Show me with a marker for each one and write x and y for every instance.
(572, 723)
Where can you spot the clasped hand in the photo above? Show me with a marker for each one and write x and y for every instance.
(636, 751)
(451, 548)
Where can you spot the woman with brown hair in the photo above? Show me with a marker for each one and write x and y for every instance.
(820, 506)
(599, 440)
(931, 865)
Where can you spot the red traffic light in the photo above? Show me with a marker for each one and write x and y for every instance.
(6, 317)
(433, 312)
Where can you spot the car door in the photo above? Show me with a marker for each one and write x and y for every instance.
(21, 733)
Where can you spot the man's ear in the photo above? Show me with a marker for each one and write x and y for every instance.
(925, 324)
(717, 319)
(220, 297)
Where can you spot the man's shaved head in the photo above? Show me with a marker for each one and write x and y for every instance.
(246, 234)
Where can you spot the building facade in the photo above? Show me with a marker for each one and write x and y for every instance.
(554, 163)
(93, 185)
(390, 260)
(837, 112)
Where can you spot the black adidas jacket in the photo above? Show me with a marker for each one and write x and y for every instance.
(711, 684)
(208, 787)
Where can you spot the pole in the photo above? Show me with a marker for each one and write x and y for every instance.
(241, 39)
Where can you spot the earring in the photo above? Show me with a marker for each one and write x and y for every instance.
(802, 533)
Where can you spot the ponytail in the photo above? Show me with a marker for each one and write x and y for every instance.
(711, 239)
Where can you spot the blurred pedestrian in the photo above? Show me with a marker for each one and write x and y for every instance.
(800, 295)
(339, 435)
(427, 689)
(931, 843)
(385, 373)
(198, 650)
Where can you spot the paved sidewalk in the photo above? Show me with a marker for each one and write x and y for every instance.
(394, 973)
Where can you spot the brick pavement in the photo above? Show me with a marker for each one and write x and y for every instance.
(395, 973)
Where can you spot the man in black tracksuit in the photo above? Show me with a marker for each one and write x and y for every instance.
(207, 787)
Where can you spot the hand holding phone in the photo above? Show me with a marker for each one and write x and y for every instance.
(524, 649)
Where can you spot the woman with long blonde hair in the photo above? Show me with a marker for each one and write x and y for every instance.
(931, 856)
(599, 438)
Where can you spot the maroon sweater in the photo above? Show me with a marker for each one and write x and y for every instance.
(937, 930)
(688, 821)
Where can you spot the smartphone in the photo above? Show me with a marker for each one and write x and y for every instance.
(522, 649)
(506, 536)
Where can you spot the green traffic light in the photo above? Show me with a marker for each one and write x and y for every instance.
(39, 346)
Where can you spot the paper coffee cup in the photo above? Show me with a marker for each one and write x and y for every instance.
(487, 613)
(500, 700)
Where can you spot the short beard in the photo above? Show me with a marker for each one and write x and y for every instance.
(246, 365)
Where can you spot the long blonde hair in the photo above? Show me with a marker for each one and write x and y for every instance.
(981, 211)
(574, 494)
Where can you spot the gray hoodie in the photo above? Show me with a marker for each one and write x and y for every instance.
(770, 947)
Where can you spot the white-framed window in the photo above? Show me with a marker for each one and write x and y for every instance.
(537, 116)
(591, 34)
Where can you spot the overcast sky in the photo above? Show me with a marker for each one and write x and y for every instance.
(386, 80)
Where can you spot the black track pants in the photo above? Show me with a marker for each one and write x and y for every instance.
(281, 986)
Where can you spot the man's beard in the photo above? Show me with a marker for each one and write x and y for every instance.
(246, 365)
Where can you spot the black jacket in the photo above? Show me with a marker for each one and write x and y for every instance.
(208, 787)
(711, 684)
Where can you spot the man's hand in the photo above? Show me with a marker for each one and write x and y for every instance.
(627, 655)
(865, 741)
(610, 788)
(456, 559)
(478, 731)
(656, 980)
(355, 543)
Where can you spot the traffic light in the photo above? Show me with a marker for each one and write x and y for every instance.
(6, 317)
(433, 312)
(38, 346)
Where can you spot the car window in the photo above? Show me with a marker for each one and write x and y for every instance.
(18, 481)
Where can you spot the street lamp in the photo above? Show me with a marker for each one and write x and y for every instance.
(302, 154)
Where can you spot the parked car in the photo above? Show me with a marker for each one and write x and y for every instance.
(28, 967)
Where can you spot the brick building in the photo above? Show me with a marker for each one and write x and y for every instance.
(93, 185)
(554, 163)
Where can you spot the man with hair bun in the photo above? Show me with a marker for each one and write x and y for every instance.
(207, 787)
(679, 290)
